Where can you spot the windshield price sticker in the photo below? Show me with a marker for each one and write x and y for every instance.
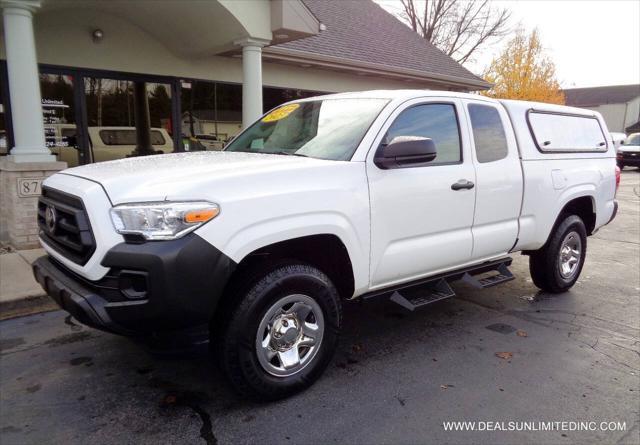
(280, 113)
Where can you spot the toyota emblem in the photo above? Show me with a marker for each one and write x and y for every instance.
(50, 219)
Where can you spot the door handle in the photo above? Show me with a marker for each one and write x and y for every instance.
(462, 184)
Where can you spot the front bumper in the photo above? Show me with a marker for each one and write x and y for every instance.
(152, 287)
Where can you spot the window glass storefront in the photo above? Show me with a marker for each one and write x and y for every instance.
(92, 115)
(58, 115)
(111, 118)
(211, 114)
(272, 97)
(212, 111)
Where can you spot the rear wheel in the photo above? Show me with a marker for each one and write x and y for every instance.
(281, 336)
(557, 265)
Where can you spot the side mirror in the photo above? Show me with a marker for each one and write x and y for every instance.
(405, 151)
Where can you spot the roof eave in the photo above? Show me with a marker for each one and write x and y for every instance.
(331, 62)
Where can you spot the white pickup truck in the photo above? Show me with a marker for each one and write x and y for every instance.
(392, 194)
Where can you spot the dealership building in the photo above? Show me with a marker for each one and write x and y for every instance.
(88, 81)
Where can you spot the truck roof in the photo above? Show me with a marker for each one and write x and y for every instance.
(400, 94)
(514, 105)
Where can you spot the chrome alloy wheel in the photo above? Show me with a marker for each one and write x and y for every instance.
(289, 335)
(570, 253)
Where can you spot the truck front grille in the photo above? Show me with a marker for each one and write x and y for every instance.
(64, 225)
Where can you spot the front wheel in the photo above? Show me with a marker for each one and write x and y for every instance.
(557, 265)
(282, 334)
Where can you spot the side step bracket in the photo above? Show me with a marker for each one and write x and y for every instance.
(416, 297)
(503, 274)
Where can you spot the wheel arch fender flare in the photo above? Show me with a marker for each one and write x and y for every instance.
(259, 235)
(580, 201)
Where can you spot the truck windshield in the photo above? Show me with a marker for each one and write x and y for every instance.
(324, 129)
(634, 139)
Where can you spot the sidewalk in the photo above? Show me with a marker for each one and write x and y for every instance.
(19, 291)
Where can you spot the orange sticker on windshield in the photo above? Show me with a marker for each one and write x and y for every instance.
(280, 113)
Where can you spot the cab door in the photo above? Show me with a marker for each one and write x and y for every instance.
(499, 179)
(421, 218)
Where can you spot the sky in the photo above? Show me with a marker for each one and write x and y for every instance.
(591, 42)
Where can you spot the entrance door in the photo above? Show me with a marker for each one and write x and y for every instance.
(420, 225)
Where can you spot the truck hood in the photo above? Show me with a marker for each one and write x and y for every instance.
(179, 175)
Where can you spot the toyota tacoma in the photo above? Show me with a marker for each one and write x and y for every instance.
(387, 194)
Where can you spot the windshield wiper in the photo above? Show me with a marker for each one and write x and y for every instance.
(286, 153)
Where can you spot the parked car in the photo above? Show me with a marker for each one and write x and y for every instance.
(381, 194)
(105, 143)
(628, 154)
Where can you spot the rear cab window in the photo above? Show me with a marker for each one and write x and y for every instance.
(488, 133)
(557, 132)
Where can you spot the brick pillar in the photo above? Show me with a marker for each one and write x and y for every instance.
(20, 184)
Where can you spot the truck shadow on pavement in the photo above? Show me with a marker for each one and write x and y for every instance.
(376, 331)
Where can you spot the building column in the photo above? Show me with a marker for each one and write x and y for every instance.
(251, 79)
(29, 161)
(24, 82)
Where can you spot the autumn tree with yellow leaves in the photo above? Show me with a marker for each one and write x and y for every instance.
(523, 71)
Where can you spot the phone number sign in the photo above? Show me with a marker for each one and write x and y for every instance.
(29, 187)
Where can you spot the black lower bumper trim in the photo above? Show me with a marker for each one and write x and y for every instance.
(184, 280)
(628, 159)
(81, 302)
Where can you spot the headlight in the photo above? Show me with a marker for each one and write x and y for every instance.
(162, 220)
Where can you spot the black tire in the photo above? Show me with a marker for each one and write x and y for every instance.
(237, 349)
(545, 263)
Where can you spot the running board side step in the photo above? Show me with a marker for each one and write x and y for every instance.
(425, 291)
(503, 275)
(416, 297)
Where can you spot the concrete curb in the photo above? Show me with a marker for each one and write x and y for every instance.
(20, 294)
(27, 306)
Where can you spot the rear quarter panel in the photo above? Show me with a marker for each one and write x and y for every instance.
(551, 180)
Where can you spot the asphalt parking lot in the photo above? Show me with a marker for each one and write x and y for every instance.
(396, 378)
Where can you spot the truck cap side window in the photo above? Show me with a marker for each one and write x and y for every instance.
(436, 121)
(566, 132)
(488, 133)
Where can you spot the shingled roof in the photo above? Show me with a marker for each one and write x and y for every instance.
(591, 97)
(362, 32)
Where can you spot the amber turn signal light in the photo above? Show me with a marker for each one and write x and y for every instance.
(201, 215)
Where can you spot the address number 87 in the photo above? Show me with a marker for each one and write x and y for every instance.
(29, 186)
